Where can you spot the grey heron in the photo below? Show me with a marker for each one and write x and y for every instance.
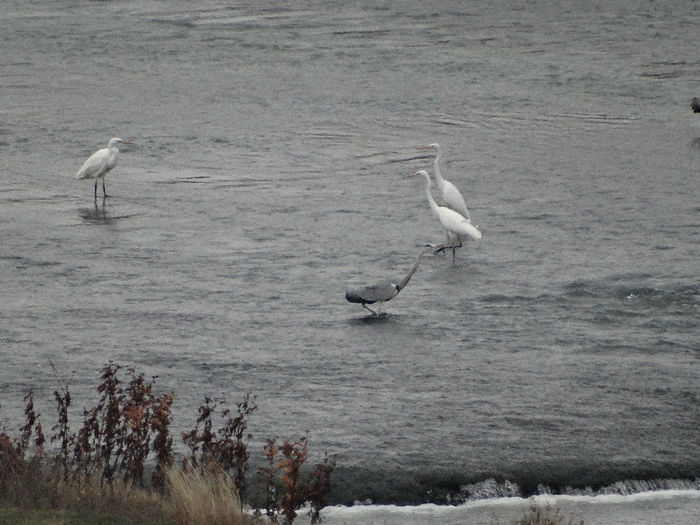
(455, 224)
(100, 163)
(386, 290)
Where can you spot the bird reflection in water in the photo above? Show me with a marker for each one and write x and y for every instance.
(96, 213)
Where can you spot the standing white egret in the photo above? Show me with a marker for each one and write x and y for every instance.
(450, 194)
(384, 290)
(100, 163)
(455, 224)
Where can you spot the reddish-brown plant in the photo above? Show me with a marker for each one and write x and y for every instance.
(162, 444)
(228, 445)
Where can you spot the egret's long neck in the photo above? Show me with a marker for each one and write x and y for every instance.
(431, 201)
(438, 177)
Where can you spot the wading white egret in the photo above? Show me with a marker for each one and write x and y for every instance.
(100, 163)
(456, 225)
(450, 194)
(384, 290)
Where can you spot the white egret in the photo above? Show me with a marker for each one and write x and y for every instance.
(450, 194)
(456, 225)
(100, 163)
(384, 290)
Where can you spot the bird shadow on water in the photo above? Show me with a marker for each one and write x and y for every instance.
(99, 213)
(374, 319)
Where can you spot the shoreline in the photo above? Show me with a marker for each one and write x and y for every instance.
(678, 506)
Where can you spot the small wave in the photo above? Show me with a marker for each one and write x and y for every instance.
(22, 262)
(660, 298)
(362, 32)
(454, 488)
(517, 299)
(538, 217)
(638, 486)
(681, 507)
(612, 289)
(593, 118)
(568, 476)
(490, 488)
(194, 179)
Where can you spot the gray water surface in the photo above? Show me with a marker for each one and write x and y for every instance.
(268, 175)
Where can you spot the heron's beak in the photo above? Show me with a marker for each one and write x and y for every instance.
(411, 175)
(126, 142)
(423, 148)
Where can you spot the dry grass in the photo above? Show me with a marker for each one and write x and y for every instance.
(194, 497)
(205, 497)
(119, 498)
(43, 501)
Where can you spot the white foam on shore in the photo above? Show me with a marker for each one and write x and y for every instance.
(653, 507)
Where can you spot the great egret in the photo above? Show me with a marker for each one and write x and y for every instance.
(100, 163)
(455, 224)
(450, 194)
(384, 290)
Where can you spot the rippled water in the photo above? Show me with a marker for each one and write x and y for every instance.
(268, 174)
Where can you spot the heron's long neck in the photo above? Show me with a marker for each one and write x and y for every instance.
(413, 269)
(438, 177)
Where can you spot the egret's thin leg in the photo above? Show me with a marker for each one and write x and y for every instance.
(104, 192)
(455, 246)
